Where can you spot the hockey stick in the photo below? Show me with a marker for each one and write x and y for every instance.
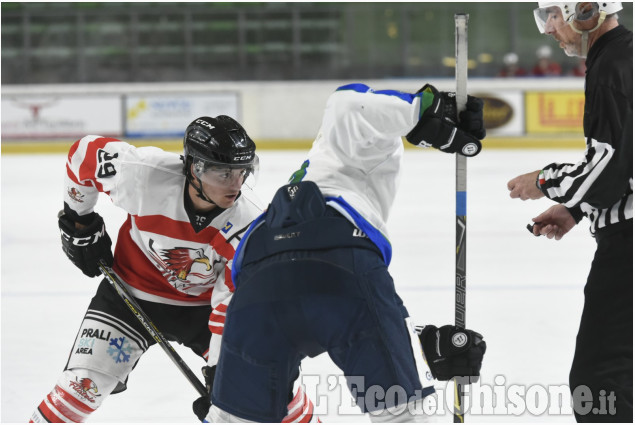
(116, 282)
(460, 25)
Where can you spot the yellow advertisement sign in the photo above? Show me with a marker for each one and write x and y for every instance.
(554, 112)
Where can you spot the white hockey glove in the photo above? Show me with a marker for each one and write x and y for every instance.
(86, 246)
(438, 125)
(451, 351)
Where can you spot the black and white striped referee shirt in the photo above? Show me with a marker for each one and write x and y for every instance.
(600, 186)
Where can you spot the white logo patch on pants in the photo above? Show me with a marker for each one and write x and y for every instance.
(106, 344)
(422, 366)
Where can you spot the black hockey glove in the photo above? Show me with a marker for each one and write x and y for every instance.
(438, 126)
(86, 246)
(471, 119)
(451, 351)
(201, 405)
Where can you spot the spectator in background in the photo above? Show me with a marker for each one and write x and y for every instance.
(545, 66)
(511, 67)
(579, 70)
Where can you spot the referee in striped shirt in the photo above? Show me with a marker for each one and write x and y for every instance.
(599, 187)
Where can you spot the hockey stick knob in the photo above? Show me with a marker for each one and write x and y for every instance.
(530, 227)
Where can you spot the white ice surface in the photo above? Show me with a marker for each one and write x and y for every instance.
(524, 293)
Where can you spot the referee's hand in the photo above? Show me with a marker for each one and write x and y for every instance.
(524, 187)
(553, 223)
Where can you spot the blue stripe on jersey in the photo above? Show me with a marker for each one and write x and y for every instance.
(401, 95)
(360, 88)
(238, 255)
(363, 88)
(373, 234)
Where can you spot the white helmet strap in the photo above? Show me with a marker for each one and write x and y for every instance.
(585, 33)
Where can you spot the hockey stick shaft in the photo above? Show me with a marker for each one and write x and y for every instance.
(116, 282)
(460, 22)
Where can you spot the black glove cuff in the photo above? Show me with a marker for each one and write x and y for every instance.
(208, 373)
(440, 134)
(430, 131)
(86, 220)
(67, 223)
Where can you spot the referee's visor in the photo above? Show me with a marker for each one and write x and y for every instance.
(550, 18)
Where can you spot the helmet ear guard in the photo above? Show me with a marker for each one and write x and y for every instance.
(585, 11)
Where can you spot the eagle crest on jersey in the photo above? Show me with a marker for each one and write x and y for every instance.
(181, 260)
(177, 266)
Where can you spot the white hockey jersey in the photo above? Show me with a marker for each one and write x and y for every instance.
(358, 152)
(158, 253)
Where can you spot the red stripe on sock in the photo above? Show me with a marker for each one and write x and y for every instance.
(309, 415)
(63, 394)
(218, 318)
(216, 329)
(65, 410)
(299, 398)
(292, 417)
(48, 414)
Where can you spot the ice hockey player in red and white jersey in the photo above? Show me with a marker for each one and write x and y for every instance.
(186, 215)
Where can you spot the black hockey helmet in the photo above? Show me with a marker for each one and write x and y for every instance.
(219, 140)
(219, 143)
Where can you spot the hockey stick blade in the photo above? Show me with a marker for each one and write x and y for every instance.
(116, 282)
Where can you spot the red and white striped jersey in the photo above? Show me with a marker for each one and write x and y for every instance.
(158, 253)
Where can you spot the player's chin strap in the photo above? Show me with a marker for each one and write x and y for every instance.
(585, 33)
(199, 188)
(190, 179)
(200, 193)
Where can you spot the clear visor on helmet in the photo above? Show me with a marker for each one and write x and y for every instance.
(225, 175)
(549, 18)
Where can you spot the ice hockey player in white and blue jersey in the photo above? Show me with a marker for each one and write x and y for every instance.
(311, 274)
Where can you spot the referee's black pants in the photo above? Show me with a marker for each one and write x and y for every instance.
(601, 377)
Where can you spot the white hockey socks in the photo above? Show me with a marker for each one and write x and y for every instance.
(300, 410)
(77, 394)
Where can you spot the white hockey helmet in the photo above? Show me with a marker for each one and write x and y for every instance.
(510, 59)
(571, 11)
(544, 52)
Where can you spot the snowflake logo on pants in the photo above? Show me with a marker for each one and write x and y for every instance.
(119, 349)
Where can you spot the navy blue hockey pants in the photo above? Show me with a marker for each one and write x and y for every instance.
(303, 303)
